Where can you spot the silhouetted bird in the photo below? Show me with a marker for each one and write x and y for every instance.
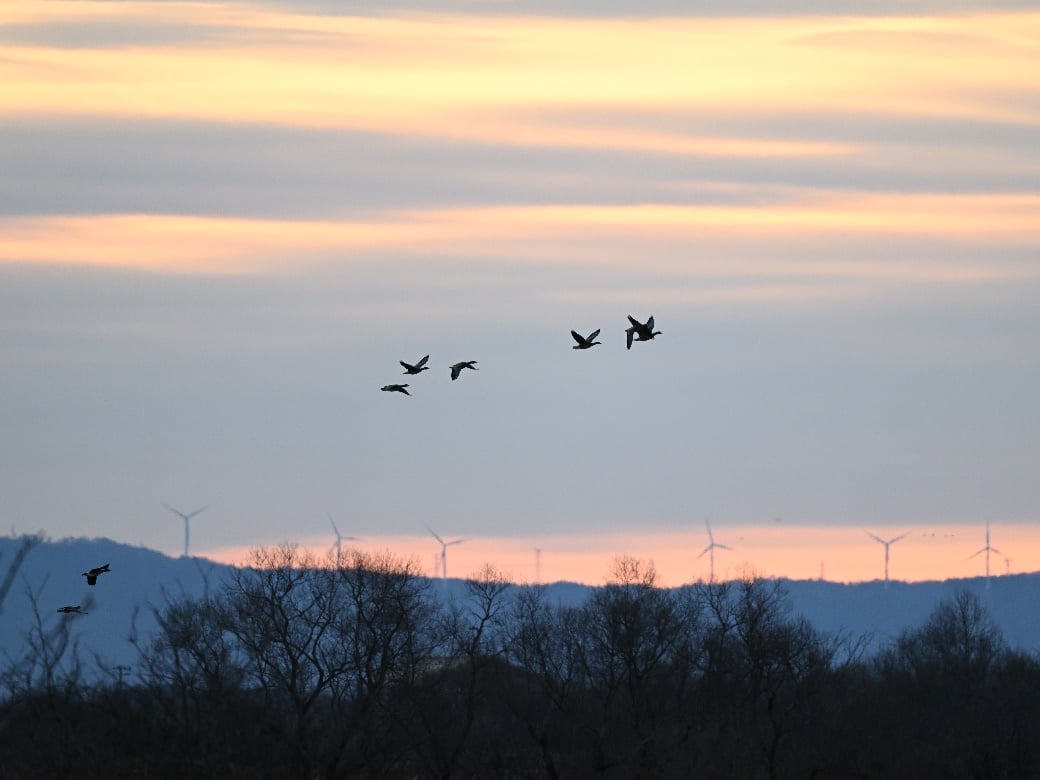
(395, 389)
(70, 610)
(418, 368)
(93, 574)
(583, 342)
(457, 368)
(640, 331)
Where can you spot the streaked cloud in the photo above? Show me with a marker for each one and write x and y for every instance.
(224, 222)
(223, 245)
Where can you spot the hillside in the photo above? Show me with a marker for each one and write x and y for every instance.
(141, 578)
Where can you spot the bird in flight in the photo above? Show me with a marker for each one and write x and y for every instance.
(71, 610)
(457, 368)
(396, 389)
(585, 342)
(94, 573)
(418, 368)
(640, 332)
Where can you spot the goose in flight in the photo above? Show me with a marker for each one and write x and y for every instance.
(585, 342)
(418, 368)
(71, 610)
(396, 389)
(640, 332)
(94, 573)
(457, 368)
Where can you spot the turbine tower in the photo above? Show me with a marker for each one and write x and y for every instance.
(987, 549)
(187, 519)
(444, 551)
(340, 538)
(888, 543)
(710, 549)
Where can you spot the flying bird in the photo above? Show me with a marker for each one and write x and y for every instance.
(457, 368)
(583, 341)
(418, 368)
(71, 610)
(396, 389)
(93, 574)
(639, 331)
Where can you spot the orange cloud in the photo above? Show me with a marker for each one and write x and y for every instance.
(455, 76)
(231, 245)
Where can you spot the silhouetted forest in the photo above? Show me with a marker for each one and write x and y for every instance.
(293, 669)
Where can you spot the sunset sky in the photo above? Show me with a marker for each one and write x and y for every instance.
(222, 224)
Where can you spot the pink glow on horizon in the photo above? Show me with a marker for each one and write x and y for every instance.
(779, 550)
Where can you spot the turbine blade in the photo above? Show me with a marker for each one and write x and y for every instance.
(434, 534)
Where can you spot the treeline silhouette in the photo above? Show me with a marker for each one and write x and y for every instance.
(295, 668)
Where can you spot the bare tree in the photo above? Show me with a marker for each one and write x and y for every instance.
(284, 610)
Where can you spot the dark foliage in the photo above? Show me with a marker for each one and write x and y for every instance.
(299, 668)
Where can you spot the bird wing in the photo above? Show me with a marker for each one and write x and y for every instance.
(407, 366)
(635, 323)
(650, 323)
(422, 362)
(455, 371)
(578, 337)
(593, 335)
(629, 332)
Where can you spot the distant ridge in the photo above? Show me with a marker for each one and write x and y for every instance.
(140, 577)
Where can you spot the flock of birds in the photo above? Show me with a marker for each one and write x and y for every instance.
(92, 578)
(636, 331)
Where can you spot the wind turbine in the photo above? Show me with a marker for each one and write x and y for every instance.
(444, 551)
(888, 543)
(337, 545)
(987, 549)
(187, 519)
(710, 549)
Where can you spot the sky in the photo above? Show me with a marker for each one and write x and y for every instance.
(222, 224)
